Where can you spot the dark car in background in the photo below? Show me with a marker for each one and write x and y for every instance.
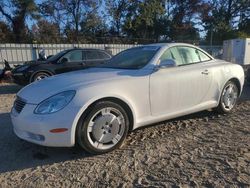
(64, 61)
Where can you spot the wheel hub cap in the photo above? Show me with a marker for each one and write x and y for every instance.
(106, 128)
(41, 77)
(230, 96)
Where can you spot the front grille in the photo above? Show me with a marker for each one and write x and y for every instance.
(19, 104)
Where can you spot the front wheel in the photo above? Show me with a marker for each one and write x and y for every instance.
(228, 97)
(39, 76)
(104, 128)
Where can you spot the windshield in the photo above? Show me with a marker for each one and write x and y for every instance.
(134, 58)
(58, 55)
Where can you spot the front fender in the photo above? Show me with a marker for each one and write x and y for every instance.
(236, 72)
(93, 100)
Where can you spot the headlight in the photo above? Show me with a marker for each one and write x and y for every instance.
(22, 68)
(55, 103)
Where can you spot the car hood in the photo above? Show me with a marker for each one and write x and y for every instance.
(28, 64)
(35, 62)
(41, 90)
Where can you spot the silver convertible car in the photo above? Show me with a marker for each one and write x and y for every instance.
(97, 107)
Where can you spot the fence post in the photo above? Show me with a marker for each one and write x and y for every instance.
(108, 49)
(33, 51)
(1, 58)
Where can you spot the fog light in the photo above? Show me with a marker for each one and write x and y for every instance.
(36, 137)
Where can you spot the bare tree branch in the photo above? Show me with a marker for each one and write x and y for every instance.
(5, 14)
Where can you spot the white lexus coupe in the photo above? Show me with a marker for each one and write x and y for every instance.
(97, 107)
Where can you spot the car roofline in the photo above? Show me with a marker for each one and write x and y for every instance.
(173, 44)
(70, 49)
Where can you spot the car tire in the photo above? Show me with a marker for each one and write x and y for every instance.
(248, 76)
(39, 76)
(228, 98)
(103, 128)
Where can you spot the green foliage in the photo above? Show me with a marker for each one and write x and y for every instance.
(226, 19)
(20, 10)
(93, 26)
(46, 32)
(5, 32)
(142, 21)
(244, 26)
(145, 19)
(117, 11)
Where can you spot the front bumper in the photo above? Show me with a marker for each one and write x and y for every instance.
(20, 78)
(36, 128)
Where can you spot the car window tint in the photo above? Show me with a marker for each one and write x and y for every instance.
(189, 55)
(103, 55)
(176, 56)
(134, 58)
(166, 55)
(203, 56)
(92, 55)
(74, 56)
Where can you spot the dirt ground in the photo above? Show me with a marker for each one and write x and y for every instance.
(200, 150)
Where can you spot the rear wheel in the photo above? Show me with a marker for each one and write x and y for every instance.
(228, 98)
(248, 76)
(39, 76)
(104, 128)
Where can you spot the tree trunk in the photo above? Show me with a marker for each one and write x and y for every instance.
(18, 26)
(229, 11)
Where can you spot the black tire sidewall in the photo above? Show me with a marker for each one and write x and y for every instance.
(248, 76)
(40, 73)
(82, 126)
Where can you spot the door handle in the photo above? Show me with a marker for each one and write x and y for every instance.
(83, 64)
(206, 72)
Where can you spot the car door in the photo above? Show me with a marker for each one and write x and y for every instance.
(179, 88)
(95, 57)
(73, 60)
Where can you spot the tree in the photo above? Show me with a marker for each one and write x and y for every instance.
(75, 10)
(52, 11)
(244, 21)
(93, 27)
(68, 14)
(46, 32)
(5, 32)
(20, 10)
(145, 19)
(117, 11)
(244, 26)
(183, 16)
(222, 21)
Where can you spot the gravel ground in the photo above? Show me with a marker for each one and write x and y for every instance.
(203, 150)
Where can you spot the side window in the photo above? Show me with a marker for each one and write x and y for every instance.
(172, 53)
(166, 55)
(189, 55)
(103, 55)
(176, 56)
(203, 56)
(74, 56)
(92, 55)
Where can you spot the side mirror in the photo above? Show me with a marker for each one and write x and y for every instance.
(167, 63)
(64, 60)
